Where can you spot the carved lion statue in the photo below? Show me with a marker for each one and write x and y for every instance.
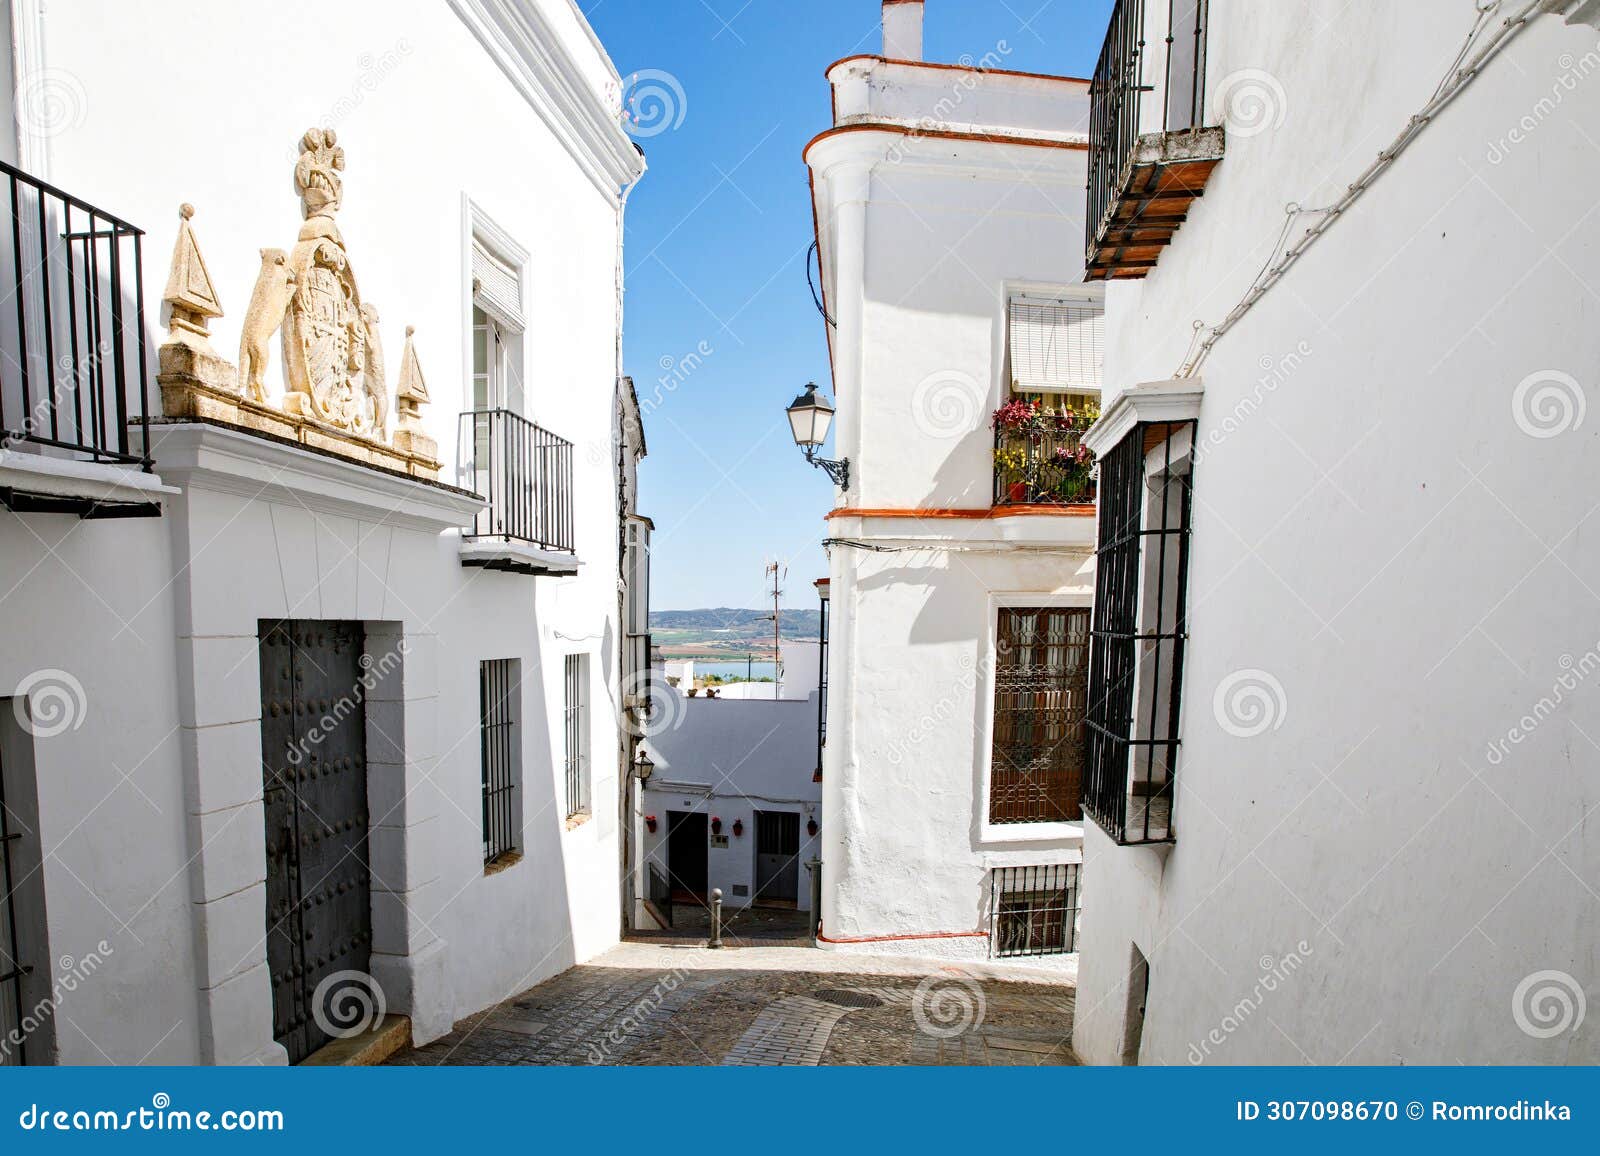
(274, 286)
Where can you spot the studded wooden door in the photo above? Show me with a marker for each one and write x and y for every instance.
(313, 742)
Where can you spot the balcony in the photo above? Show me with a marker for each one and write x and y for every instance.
(73, 378)
(525, 474)
(1040, 458)
(1149, 159)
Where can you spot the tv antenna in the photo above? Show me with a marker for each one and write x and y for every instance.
(776, 571)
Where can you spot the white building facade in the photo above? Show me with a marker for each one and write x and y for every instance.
(961, 556)
(734, 802)
(318, 686)
(1341, 763)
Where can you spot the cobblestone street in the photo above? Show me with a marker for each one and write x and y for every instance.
(657, 1004)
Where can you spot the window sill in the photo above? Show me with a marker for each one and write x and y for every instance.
(504, 863)
(577, 820)
(1059, 834)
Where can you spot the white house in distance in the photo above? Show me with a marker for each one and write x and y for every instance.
(961, 554)
(797, 675)
(1342, 760)
(313, 532)
(734, 802)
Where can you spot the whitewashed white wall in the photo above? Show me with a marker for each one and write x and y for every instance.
(426, 119)
(92, 602)
(731, 758)
(924, 235)
(1378, 533)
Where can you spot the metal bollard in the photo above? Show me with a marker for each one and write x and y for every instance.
(716, 918)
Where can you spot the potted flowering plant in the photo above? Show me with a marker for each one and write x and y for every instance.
(1017, 414)
(1072, 464)
(1037, 457)
(1011, 456)
(1011, 459)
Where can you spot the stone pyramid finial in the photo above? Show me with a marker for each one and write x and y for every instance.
(411, 394)
(190, 296)
(412, 388)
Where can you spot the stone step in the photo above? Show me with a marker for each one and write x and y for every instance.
(368, 1049)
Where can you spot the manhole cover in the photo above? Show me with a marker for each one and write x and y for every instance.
(840, 997)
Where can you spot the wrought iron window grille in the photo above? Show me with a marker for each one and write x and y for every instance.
(1140, 633)
(499, 686)
(1033, 910)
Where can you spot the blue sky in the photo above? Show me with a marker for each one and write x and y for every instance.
(715, 253)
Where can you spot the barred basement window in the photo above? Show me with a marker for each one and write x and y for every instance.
(1033, 910)
(1140, 629)
(500, 744)
(576, 718)
(1040, 695)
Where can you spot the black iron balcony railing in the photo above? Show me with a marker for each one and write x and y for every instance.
(1186, 65)
(73, 376)
(1145, 171)
(524, 472)
(1042, 467)
(1114, 99)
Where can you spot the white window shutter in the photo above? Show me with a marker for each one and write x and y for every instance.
(497, 285)
(1057, 344)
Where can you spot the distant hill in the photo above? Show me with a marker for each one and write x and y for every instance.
(726, 626)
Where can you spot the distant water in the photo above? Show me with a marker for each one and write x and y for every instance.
(758, 669)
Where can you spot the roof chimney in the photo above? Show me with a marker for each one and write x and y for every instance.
(902, 29)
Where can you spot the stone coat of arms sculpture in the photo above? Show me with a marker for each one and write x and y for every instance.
(336, 400)
(332, 355)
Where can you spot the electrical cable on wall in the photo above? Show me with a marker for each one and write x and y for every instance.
(816, 300)
(1461, 73)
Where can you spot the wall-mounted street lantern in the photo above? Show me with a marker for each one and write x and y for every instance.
(810, 415)
(643, 767)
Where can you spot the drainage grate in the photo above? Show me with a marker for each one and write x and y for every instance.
(841, 997)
